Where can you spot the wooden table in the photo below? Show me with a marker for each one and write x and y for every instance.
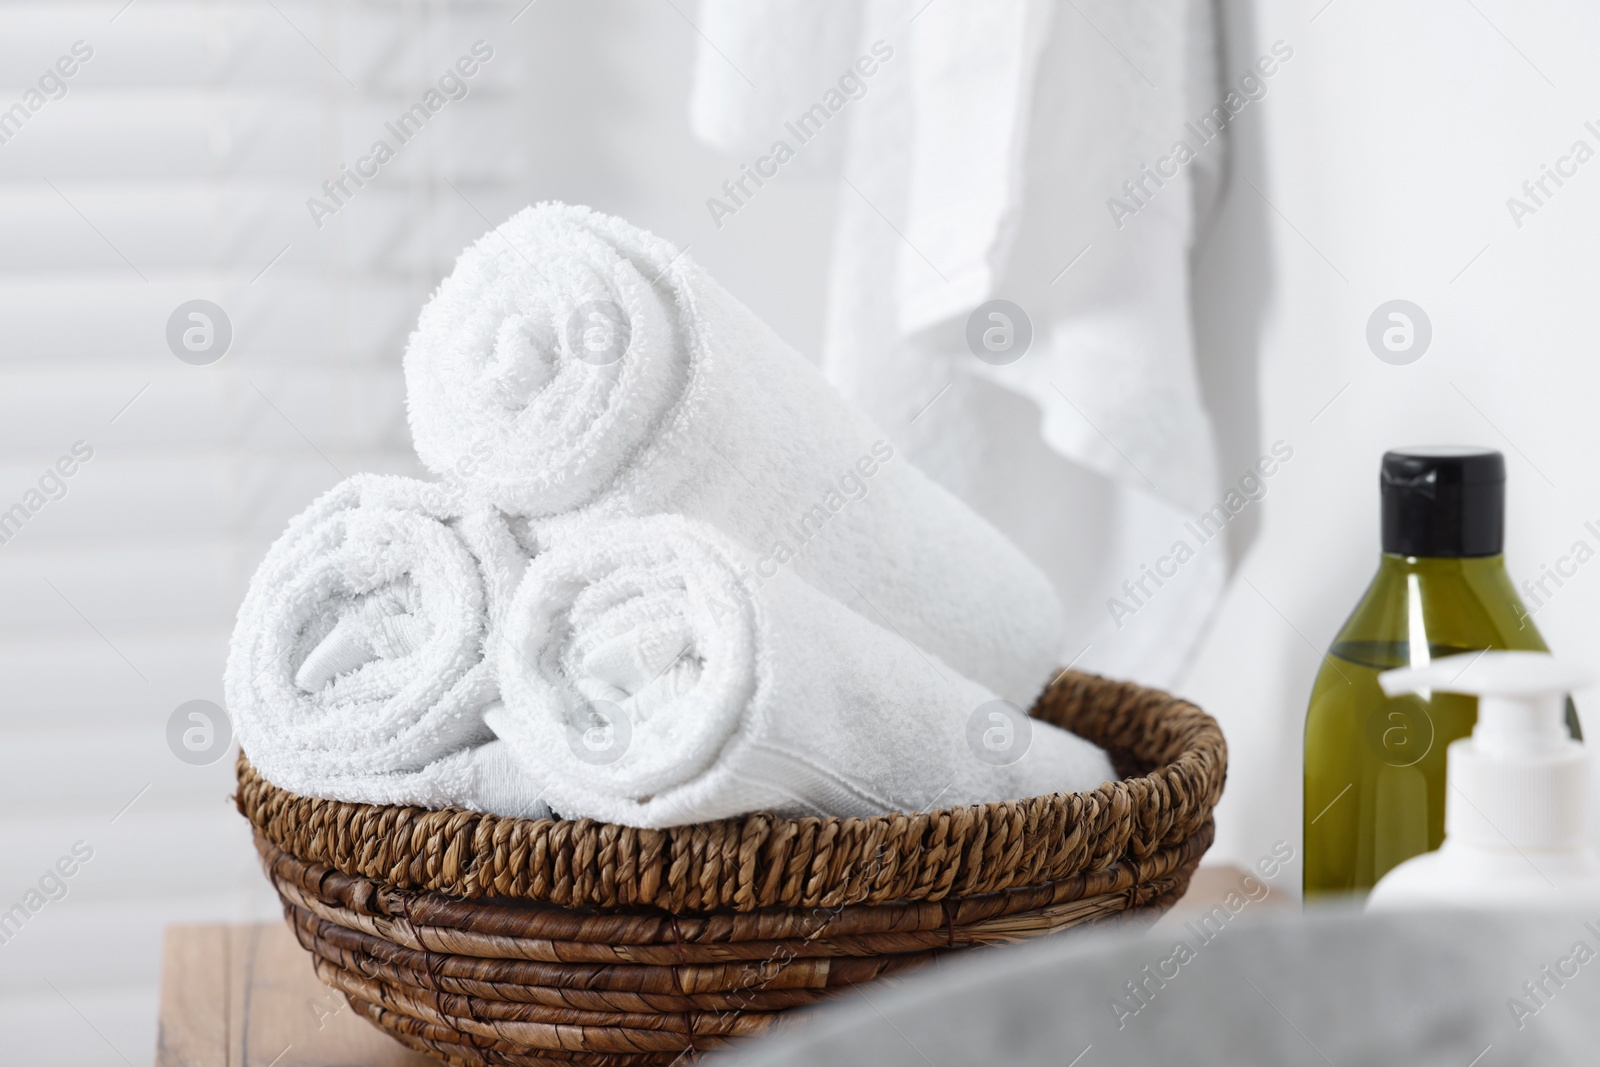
(245, 995)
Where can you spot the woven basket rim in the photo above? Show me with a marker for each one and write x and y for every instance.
(1175, 751)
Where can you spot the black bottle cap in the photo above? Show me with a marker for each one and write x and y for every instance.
(1444, 501)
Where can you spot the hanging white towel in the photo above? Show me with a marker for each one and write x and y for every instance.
(788, 52)
(982, 164)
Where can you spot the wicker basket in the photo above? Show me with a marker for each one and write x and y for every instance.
(488, 940)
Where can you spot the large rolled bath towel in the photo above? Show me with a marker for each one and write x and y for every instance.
(357, 667)
(649, 680)
(576, 367)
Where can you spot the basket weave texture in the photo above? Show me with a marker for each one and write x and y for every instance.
(481, 939)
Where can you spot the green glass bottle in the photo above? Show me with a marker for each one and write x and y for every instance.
(1375, 766)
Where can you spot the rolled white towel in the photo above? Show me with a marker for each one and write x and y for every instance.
(649, 681)
(356, 670)
(574, 365)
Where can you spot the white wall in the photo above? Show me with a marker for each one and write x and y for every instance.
(1387, 150)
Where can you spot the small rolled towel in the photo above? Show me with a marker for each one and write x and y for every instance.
(573, 365)
(357, 669)
(649, 681)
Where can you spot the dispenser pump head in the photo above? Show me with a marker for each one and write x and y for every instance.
(1519, 781)
(1521, 695)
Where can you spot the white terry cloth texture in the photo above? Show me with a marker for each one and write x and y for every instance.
(357, 668)
(980, 163)
(649, 680)
(593, 371)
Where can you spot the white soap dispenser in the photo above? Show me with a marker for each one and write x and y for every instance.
(1517, 802)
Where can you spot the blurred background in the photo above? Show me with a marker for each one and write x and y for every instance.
(1383, 159)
